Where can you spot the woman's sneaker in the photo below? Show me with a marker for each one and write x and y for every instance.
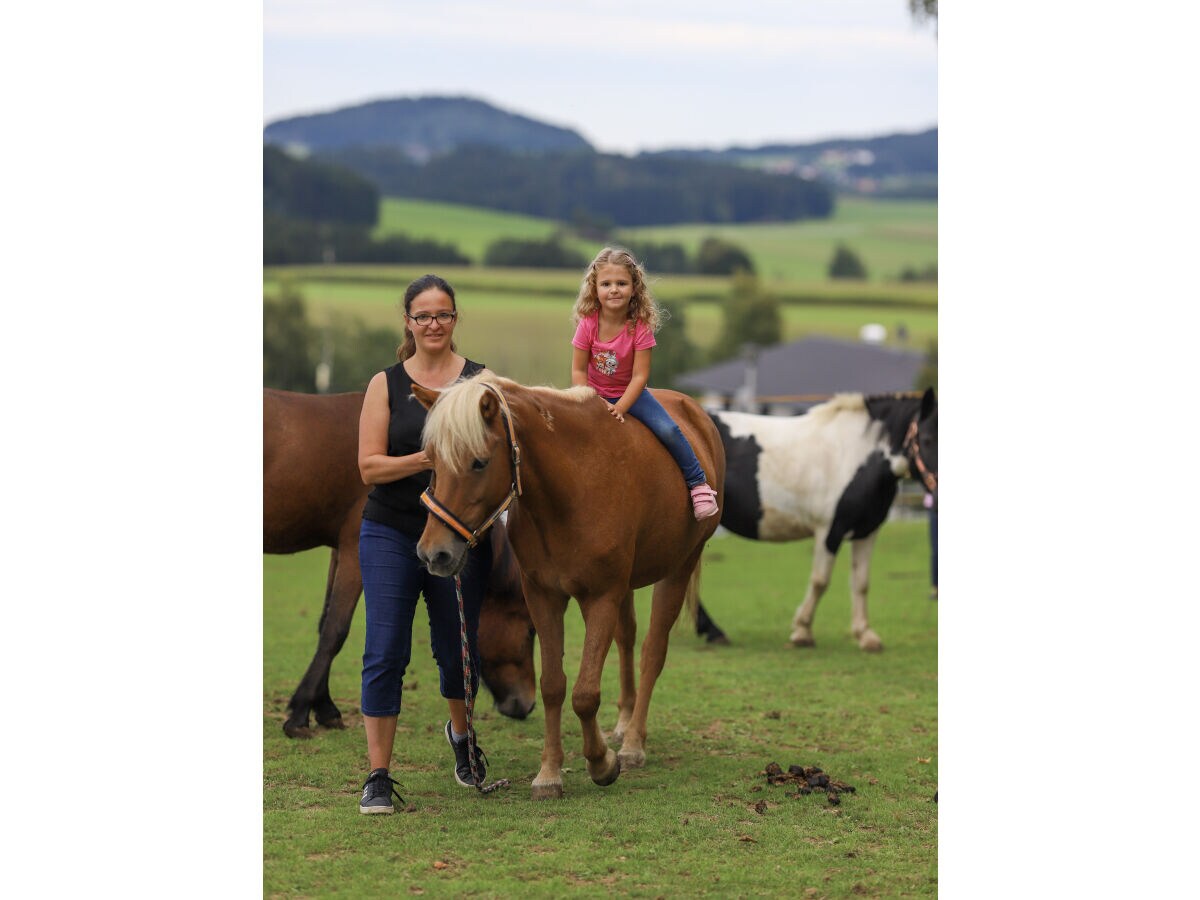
(377, 794)
(462, 760)
(704, 501)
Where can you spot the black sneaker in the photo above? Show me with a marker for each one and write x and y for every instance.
(462, 760)
(377, 794)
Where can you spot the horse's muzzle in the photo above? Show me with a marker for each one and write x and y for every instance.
(445, 561)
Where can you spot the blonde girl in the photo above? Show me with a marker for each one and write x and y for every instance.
(616, 318)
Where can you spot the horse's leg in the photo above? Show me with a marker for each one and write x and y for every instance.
(600, 615)
(822, 565)
(860, 565)
(626, 638)
(342, 590)
(707, 628)
(546, 608)
(668, 598)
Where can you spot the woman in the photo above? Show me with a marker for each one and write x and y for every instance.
(390, 459)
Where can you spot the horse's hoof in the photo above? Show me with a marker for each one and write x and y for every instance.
(550, 791)
(802, 639)
(719, 639)
(335, 722)
(297, 730)
(613, 763)
(632, 759)
(870, 642)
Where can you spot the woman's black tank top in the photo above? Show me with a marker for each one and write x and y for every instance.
(398, 503)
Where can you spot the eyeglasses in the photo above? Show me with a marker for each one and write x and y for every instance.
(424, 319)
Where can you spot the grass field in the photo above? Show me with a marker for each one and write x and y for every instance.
(518, 321)
(888, 235)
(699, 819)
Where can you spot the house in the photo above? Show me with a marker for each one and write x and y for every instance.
(788, 378)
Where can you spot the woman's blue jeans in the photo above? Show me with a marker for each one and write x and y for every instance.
(650, 413)
(392, 580)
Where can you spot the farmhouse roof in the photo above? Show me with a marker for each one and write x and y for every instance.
(810, 368)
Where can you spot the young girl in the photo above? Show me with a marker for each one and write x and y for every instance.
(617, 318)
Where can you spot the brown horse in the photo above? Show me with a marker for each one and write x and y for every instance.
(602, 510)
(313, 497)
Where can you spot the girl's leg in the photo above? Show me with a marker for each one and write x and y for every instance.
(391, 583)
(650, 413)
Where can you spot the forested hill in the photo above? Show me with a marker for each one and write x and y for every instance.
(463, 150)
(422, 128)
(907, 162)
(584, 185)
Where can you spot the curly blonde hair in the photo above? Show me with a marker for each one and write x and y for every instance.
(642, 306)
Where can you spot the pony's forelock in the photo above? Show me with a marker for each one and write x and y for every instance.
(454, 429)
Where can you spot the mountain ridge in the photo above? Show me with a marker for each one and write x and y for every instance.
(434, 109)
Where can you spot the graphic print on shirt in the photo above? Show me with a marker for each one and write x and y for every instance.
(605, 362)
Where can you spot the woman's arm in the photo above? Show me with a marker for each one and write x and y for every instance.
(579, 361)
(374, 465)
(641, 375)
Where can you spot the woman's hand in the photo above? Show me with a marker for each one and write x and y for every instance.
(614, 412)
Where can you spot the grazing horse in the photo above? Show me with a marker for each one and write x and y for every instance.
(603, 510)
(313, 496)
(829, 474)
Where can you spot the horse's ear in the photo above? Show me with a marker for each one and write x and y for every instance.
(489, 406)
(425, 396)
(928, 403)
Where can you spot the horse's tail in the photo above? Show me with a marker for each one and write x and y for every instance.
(691, 596)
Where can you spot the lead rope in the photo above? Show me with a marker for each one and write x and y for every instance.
(472, 747)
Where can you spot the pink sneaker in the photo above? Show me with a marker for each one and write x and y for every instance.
(704, 501)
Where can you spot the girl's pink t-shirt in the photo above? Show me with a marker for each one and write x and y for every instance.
(610, 363)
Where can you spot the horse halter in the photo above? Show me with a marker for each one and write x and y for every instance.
(453, 522)
(912, 447)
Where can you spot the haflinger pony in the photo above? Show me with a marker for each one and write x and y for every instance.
(313, 496)
(829, 474)
(603, 510)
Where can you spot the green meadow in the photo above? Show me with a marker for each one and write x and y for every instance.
(887, 234)
(518, 321)
(700, 819)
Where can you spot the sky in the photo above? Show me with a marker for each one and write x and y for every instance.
(628, 75)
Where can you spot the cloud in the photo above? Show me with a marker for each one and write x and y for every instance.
(620, 28)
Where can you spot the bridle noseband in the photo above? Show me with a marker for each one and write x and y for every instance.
(912, 448)
(453, 522)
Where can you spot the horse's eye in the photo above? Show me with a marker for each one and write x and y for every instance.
(479, 465)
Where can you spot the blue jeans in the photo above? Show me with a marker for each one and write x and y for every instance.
(392, 580)
(650, 413)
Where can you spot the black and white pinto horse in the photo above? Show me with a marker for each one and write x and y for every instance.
(829, 474)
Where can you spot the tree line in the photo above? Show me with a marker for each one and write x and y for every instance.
(716, 256)
(316, 212)
(629, 191)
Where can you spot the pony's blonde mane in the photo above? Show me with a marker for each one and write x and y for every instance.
(838, 403)
(454, 430)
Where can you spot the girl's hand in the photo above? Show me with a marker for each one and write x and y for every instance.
(612, 411)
